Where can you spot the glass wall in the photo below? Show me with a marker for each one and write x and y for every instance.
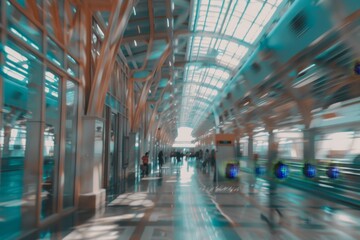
(20, 93)
(38, 89)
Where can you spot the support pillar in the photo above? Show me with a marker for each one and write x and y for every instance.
(250, 147)
(271, 147)
(217, 120)
(133, 152)
(309, 145)
(272, 153)
(92, 195)
(237, 148)
(7, 136)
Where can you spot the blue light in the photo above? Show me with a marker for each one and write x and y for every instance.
(357, 68)
(281, 170)
(309, 170)
(333, 172)
(232, 170)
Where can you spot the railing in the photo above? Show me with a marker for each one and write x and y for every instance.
(345, 188)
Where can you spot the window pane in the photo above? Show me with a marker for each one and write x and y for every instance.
(72, 66)
(20, 26)
(51, 144)
(70, 143)
(55, 53)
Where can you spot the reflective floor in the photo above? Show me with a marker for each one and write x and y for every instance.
(183, 202)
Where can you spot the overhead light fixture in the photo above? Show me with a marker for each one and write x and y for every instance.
(264, 95)
(134, 10)
(170, 63)
(259, 129)
(135, 43)
(138, 29)
(303, 79)
(306, 69)
(168, 22)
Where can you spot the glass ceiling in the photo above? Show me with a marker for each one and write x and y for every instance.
(239, 25)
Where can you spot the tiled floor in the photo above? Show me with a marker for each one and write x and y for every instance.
(184, 203)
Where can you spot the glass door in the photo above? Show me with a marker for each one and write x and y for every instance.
(50, 167)
(111, 159)
(70, 143)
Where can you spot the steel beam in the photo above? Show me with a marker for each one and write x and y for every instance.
(151, 36)
(96, 5)
(135, 123)
(154, 113)
(58, 29)
(32, 6)
(72, 20)
(186, 33)
(117, 25)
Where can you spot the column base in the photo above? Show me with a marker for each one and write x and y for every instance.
(92, 201)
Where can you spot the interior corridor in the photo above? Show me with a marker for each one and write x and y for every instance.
(183, 202)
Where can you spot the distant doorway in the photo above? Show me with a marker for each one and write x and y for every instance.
(111, 162)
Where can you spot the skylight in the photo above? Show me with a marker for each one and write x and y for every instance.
(184, 138)
(238, 25)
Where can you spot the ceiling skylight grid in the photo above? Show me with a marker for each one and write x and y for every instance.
(211, 16)
(243, 22)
